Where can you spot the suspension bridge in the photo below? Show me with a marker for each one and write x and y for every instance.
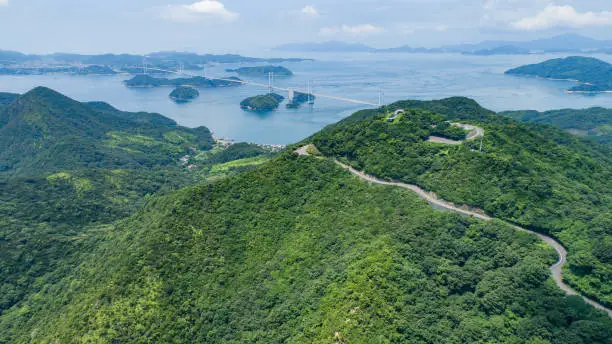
(271, 87)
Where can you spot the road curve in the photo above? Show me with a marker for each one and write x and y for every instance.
(556, 269)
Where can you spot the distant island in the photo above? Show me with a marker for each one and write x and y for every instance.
(87, 70)
(16, 63)
(593, 74)
(184, 94)
(594, 123)
(262, 103)
(299, 99)
(503, 50)
(261, 71)
(198, 81)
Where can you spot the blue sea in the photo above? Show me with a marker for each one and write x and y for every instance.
(357, 76)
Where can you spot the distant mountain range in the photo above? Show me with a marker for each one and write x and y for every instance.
(562, 43)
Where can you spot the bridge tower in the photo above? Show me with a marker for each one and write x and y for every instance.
(310, 98)
(381, 97)
(270, 83)
(144, 65)
(291, 95)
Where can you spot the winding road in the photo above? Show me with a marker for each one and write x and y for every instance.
(556, 269)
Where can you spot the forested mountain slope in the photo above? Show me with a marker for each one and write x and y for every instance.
(536, 176)
(300, 251)
(61, 208)
(44, 131)
(594, 123)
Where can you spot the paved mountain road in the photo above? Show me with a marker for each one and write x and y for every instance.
(556, 269)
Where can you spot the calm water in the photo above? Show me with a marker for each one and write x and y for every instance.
(401, 76)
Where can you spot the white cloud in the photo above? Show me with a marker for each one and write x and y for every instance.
(197, 11)
(4, 2)
(363, 29)
(355, 30)
(310, 11)
(563, 16)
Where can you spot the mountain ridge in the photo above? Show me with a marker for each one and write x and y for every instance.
(560, 43)
(42, 129)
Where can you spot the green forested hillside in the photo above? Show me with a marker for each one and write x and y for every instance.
(300, 251)
(594, 123)
(7, 98)
(44, 220)
(594, 74)
(44, 131)
(98, 246)
(536, 176)
(72, 191)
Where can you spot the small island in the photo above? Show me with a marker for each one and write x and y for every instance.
(299, 99)
(262, 103)
(503, 50)
(184, 94)
(198, 81)
(262, 71)
(593, 75)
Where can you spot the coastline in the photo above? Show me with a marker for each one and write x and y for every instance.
(570, 91)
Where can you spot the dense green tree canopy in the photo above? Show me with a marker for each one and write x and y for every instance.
(533, 175)
(594, 123)
(594, 74)
(300, 251)
(44, 131)
(100, 241)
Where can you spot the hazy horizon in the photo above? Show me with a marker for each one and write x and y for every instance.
(209, 26)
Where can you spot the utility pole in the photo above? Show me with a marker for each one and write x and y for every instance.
(269, 83)
(481, 141)
(144, 65)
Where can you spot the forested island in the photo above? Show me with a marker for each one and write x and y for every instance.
(198, 82)
(87, 70)
(126, 227)
(299, 99)
(594, 123)
(184, 94)
(15, 62)
(262, 103)
(262, 71)
(502, 50)
(594, 75)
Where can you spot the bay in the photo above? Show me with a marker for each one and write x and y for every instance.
(356, 76)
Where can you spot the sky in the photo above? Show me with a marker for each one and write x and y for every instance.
(243, 26)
